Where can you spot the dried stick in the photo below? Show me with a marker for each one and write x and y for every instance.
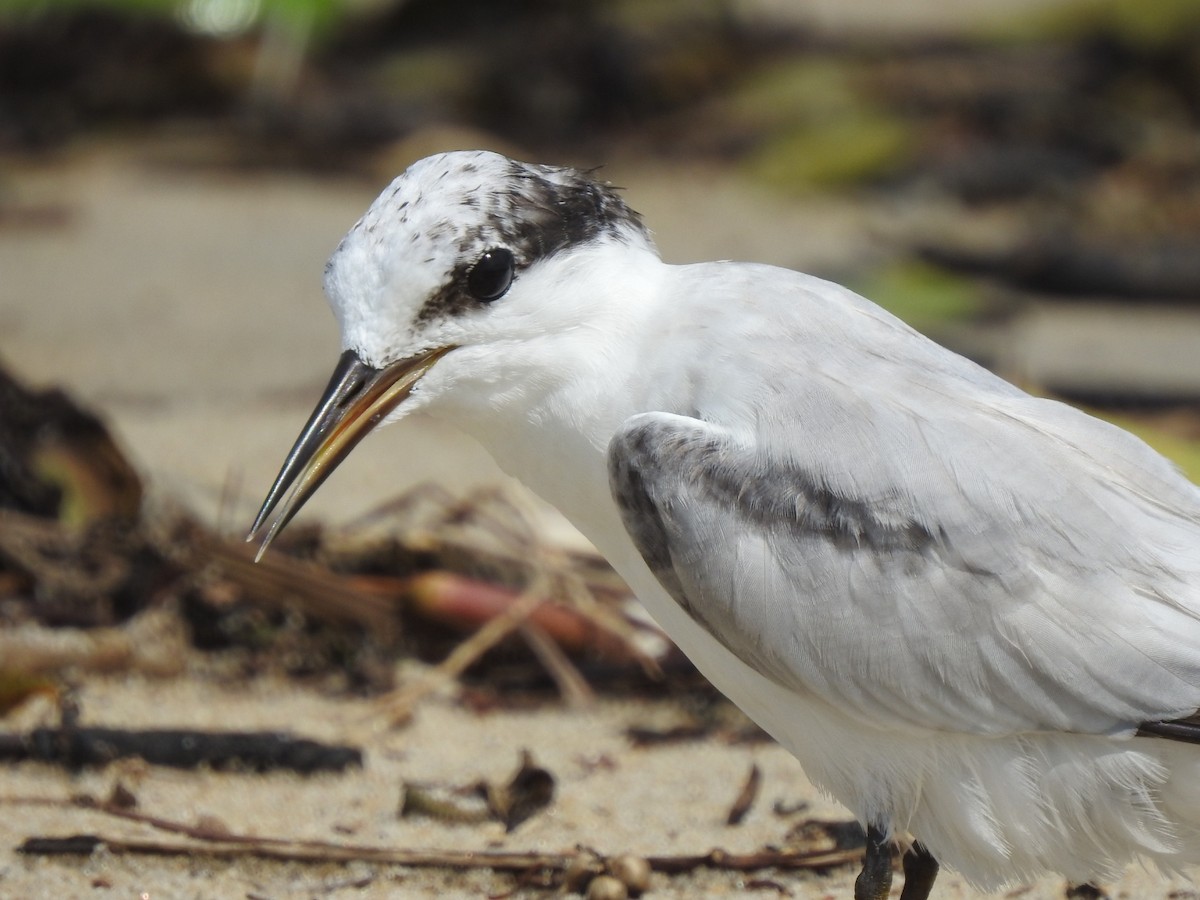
(152, 642)
(746, 796)
(398, 705)
(205, 841)
(570, 683)
(543, 563)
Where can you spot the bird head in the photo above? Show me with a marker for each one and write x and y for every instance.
(453, 275)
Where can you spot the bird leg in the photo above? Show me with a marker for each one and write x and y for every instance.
(874, 882)
(920, 870)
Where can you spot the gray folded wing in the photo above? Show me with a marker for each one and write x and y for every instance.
(989, 569)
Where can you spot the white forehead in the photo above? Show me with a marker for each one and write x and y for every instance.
(439, 198)
(412, 224)
(440, 215)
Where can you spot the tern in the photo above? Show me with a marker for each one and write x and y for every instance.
(973, 615)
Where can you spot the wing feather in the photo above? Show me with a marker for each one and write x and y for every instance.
(1014, 567)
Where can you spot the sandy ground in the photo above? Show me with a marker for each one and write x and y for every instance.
(186, 306)
(610, 796)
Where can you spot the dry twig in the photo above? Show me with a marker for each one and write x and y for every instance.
(746, 796)
(204, 841)
(151, 642)
(398, 705)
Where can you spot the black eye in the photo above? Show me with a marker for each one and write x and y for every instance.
(491, 275)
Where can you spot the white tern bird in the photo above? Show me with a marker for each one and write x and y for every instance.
(973, 615)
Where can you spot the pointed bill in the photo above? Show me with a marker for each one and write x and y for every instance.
(357, 398)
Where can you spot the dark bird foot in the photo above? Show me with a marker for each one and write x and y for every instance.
(874, 882)
(920, 871)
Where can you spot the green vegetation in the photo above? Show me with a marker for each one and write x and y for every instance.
(924, 296)
(820, 128)
(300, 15)
(1146, 23)
(845, 150)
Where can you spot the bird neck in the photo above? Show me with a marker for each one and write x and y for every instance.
(549, 418)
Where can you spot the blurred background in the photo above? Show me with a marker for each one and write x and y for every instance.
(1019, 179)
